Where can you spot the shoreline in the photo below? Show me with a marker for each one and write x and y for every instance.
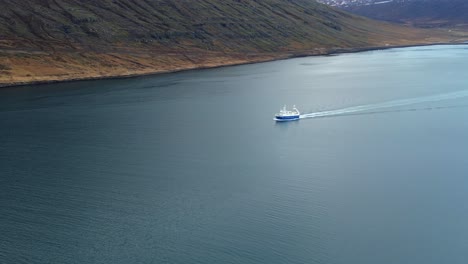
(279, 56)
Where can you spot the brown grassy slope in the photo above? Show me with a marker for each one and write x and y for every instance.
(44, 40)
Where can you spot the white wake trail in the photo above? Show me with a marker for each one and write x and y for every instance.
(389, 104)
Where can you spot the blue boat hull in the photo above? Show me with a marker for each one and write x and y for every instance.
(286, 118)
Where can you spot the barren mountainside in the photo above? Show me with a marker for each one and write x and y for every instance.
(72, 39)
(421, 13)
(207, 24)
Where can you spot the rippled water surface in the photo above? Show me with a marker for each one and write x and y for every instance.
(191, 168)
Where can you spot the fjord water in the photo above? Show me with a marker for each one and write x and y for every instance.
(191, 168)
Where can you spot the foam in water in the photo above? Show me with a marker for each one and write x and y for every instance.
(389, 104)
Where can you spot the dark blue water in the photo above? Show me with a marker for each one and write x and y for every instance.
(191, 168)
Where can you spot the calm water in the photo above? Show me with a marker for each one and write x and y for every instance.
(191, 168)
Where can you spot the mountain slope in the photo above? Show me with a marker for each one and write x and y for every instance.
(421, 13)
(72, 39)
(264, 25)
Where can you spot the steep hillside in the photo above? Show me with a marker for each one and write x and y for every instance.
(420, 13)
(73, 39)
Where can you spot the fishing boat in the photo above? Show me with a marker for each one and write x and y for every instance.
(288, 115)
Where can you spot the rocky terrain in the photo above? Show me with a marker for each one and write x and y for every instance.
(420, 13)
(53, 40)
